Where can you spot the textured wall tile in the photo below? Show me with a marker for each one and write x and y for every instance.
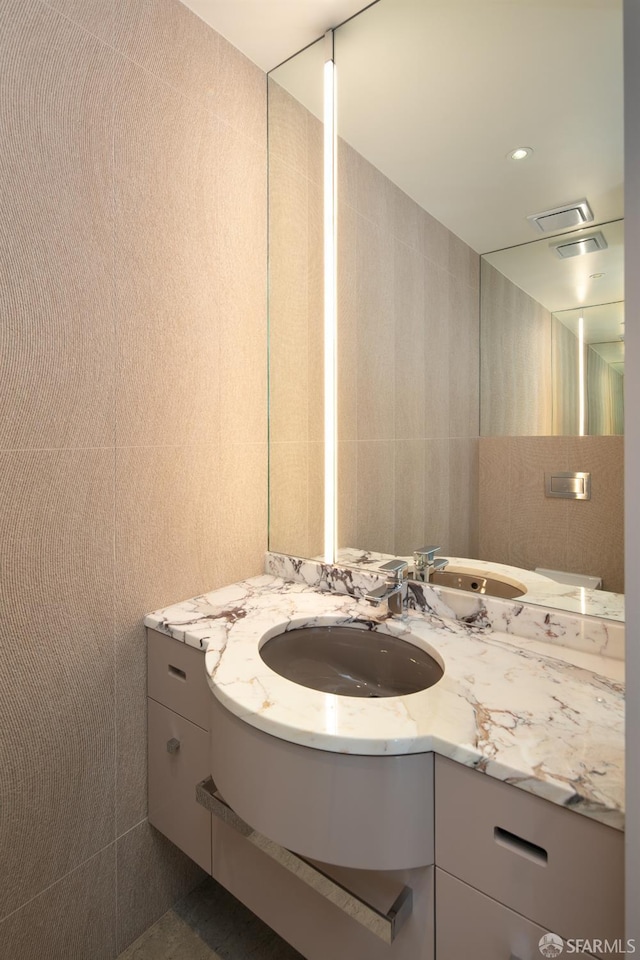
(347, 324)
(239, 278)
(516, 360)
(435, 240)
(152, 875)
(494, 503)
(169, 41)
(56, 338)
(410, 343)
(56, 648)
(564, 364)
(463, 497)
(316, 499)
(596, 526)
(288, 304)
(347, 494)
(72, 920)
(240, 92)
(168, 522)
(539, 524)
(410, 500)
(315, 306)
(96, 16)
(288, 140)
(348, 174)
(464, 361)
(240, 489)
(376, 493)
(376, 338)
(289, 497)
(437, 494)
(165, 242)
(438, 345)
(172, 43)
(374, 196)
(464, 263)
(406, 220)
(315, 150)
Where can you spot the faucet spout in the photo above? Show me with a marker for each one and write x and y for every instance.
(425, 563)
(394, 590)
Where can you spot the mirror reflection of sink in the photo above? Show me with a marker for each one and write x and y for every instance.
(476, 583)
(352, 661)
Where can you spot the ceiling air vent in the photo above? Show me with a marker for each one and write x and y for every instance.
(562, 218)
(578, 247)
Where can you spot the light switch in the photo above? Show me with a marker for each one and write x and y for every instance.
(570, 486)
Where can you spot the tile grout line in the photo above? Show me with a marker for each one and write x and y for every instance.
(60, 879)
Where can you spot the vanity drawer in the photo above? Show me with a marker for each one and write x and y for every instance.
(469, 924)
(178, 760)
(557, 868)
(176, 677)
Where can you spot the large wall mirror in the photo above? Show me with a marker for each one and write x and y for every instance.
(473, 359)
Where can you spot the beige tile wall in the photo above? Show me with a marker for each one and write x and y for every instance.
(409, 370)
(516, 396)
(520, 526)
(296, 352)
(132, 428)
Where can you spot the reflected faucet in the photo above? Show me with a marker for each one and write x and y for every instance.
(425, 563)
(394, 590)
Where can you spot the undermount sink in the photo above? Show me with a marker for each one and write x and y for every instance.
(476, 583)
(351, 661)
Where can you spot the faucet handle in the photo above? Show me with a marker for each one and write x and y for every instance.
(395, 569)
(425, 554)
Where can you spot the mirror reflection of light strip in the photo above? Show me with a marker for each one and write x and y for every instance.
(330, 304)
(581, 396)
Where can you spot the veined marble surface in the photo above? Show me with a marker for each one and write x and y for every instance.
(588, 634)
(540, 590)
(546, 725)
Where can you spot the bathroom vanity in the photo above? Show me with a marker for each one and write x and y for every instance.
(471, 818)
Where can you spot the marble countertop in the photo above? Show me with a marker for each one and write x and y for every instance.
(540, 590)
(520, 712)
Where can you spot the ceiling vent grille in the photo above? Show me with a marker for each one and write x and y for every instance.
(581, 245)
(574, 214)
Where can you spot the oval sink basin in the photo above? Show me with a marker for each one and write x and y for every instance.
(351, 661)
(489, 586)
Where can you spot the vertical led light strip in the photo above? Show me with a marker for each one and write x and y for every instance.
(581, 384)
(330, 304)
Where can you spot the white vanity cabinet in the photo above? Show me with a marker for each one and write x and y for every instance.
(544, 868)
(180, 705)
(506, 869)
(178, 729)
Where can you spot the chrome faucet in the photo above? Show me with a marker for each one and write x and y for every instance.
(394, 590)
(425, 563)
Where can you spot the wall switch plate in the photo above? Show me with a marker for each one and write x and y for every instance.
(569, 486)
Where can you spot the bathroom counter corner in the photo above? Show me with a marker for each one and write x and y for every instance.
(538, 721)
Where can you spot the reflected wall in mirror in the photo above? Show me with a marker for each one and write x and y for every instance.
(296, 429)
(552, 342)
(425, 188)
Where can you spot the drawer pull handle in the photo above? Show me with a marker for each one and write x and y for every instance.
(177, 672)
(383, 925)
(173, 745)
(520, 846)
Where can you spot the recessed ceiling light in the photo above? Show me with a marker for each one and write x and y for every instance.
(520, 153)
(595, 276)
